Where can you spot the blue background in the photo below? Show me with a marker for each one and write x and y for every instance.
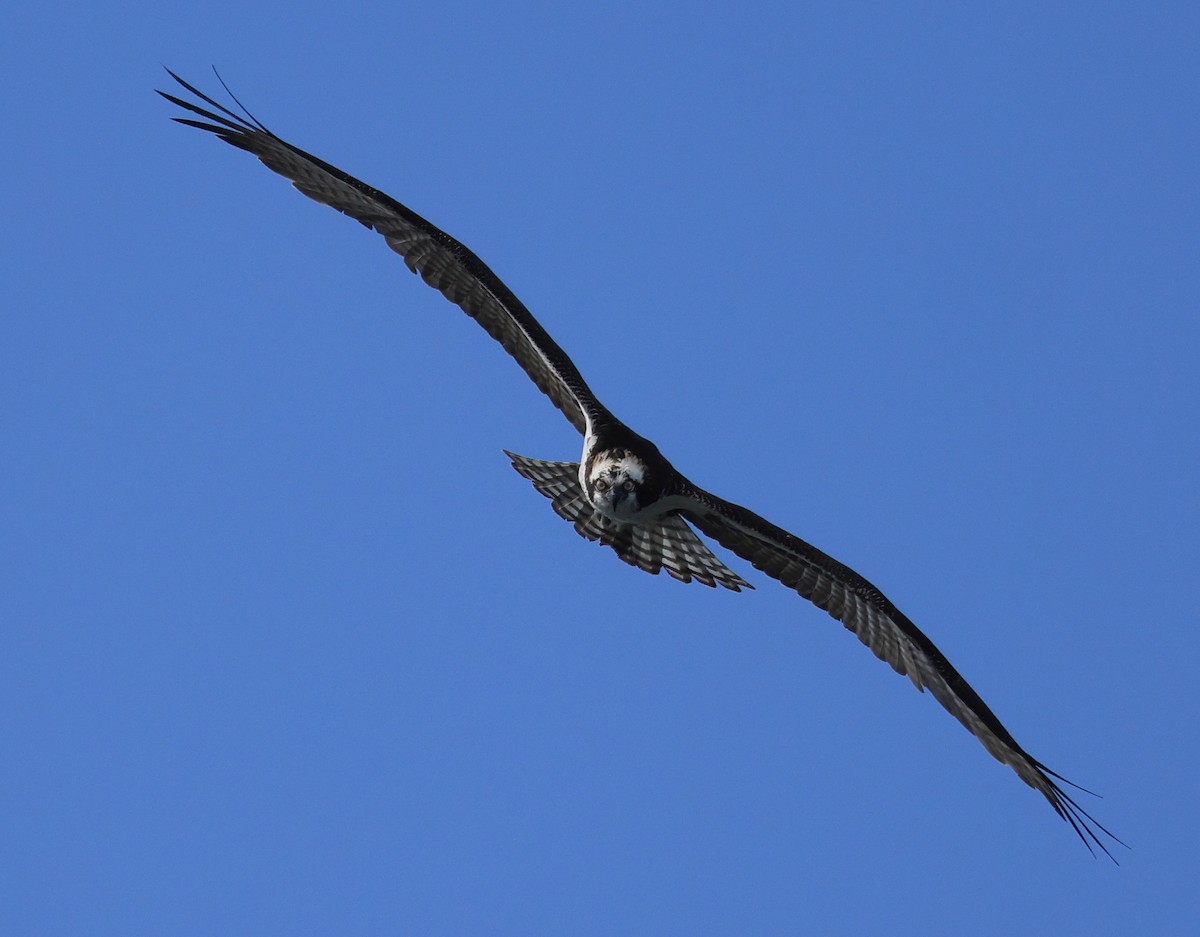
(286, 646)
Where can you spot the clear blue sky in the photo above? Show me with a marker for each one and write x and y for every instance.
(287, 648)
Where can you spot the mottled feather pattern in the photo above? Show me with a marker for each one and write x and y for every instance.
(668, 543)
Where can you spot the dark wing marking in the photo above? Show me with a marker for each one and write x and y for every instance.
(442, 262)
(667, 543)
(867, 612)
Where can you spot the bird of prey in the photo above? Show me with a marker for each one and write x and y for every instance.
(623, 492)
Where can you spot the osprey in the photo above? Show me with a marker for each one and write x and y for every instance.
(623, 492)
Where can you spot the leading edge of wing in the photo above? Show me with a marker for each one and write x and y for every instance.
(888, 632)
(442, 261)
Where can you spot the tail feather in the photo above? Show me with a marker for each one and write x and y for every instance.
(665, 543)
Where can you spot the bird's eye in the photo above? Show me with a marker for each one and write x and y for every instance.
(602, 485)
(628, 486)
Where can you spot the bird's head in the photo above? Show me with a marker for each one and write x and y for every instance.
(615, 483)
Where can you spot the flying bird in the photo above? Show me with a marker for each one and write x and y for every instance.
(623, 492)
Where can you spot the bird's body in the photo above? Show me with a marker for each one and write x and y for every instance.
(623, 492)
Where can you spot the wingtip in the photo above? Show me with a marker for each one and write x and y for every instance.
(1086, 827)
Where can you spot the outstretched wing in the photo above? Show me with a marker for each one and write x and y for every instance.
(442, 262)
(666, 543)
(882, 627)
